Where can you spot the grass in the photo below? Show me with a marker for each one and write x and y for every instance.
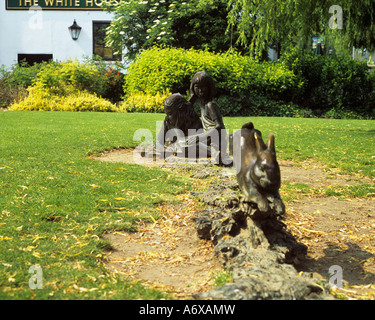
(56, 202)
(223, 277)
(344, 144)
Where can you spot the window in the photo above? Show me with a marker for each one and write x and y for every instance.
(30, 59)
(100, 48)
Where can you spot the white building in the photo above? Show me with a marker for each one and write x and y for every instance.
(37, 30)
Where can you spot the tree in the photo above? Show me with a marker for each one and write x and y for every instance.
(137, 25)
(293, 22)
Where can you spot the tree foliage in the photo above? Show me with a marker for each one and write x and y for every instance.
(293, 22)
(138, 24)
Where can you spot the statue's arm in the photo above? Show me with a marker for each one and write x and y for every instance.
(160, 139)
(215, 115)
(192, 99)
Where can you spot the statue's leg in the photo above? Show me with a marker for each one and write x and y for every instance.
(261, 201)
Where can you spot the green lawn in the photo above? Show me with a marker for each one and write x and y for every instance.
(345, 144)
(55, 202)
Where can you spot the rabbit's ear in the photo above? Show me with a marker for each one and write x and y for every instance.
(271, 143)
(248, 125)
(259, 142)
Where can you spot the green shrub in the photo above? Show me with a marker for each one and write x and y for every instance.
(69, 77)
(114, 81)
(160, 70)
(73, 86)
(332, 82)
(65, 78)
(336, 113)
(14, 81)
(113, 78)
(20, 75)
(256, 105)
(10, 94)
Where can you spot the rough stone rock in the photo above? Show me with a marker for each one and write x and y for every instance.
(255, 247)
(256, 288)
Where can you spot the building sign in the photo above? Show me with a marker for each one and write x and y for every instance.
(59, 4)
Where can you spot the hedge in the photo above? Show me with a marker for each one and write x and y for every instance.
(72, 86)
(300, 84)
(334, 82)
(161, 70)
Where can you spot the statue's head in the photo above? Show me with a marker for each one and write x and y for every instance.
(174, 106)
(180, 113)
(203, 86)
(174, 103)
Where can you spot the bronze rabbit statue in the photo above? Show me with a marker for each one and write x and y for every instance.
(258, 172)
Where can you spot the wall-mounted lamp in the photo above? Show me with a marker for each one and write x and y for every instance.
(75, 30)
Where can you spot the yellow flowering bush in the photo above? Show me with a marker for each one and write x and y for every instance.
(79, 101)
(38, 100)
(68, 86)
(68, 77)
(86, 102)
(141, 102)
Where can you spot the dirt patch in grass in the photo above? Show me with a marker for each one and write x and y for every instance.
(167, 254)
(117, 155)
(318, 175)
(337, 231)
